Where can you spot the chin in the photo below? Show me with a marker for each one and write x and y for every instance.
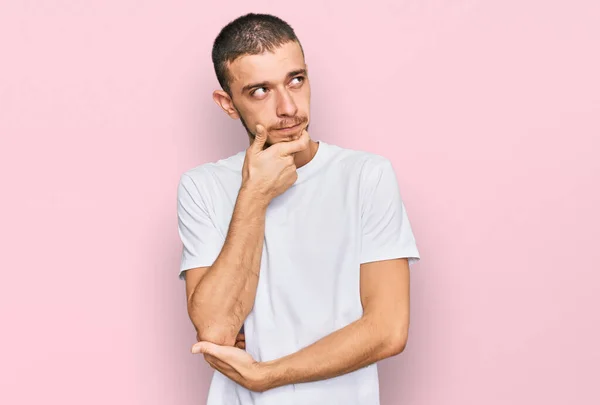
(289, 137)
(279, 139)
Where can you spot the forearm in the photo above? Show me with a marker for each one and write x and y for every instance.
(357, 345)
(225, 295)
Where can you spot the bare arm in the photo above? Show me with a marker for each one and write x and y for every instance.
(224, 296)
(381, 332)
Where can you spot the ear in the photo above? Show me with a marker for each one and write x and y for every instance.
(224, 101)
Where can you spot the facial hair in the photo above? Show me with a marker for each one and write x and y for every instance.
(251, 134)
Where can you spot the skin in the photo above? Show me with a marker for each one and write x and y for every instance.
(283, 100)
(380, 333)
(219, 300)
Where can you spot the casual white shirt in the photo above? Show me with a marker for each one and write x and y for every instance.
(344, 209)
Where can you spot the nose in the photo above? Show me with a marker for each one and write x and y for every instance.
(286, 105)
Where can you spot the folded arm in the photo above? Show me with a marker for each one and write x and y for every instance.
(220, 297)
(381, 332)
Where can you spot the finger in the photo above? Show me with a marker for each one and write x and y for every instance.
(209, 359)
(288, 148)
(225, 369)
(218, 364)
(240, 345)
(241, 336)
(206, 348)
(223, 353)
(260, 137)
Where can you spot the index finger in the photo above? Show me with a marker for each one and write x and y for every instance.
(288, 148)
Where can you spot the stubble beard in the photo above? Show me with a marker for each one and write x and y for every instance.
(251, 134)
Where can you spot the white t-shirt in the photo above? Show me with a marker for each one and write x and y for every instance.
(344, 209)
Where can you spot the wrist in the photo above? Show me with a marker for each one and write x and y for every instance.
(272, 376)
(254, 195)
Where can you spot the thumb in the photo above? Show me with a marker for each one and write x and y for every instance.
(204, 347)
(260, 137)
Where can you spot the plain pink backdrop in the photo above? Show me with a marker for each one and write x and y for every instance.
(490, 112)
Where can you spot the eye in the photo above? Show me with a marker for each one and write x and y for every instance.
(299, 78)
(257, 92)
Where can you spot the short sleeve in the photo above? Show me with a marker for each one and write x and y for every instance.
(386, 230)
(202, 241)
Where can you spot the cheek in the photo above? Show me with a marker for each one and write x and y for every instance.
(265, 113)
(254, 114)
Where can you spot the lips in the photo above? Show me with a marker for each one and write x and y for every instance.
(289, 128)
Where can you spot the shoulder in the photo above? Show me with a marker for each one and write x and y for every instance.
(372, 174)
(360, 163)
(202, 175)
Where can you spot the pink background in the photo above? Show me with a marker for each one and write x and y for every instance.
(490, 112)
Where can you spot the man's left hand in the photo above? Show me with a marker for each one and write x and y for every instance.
(237, 364)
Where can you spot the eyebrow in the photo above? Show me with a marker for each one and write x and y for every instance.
(264, 84)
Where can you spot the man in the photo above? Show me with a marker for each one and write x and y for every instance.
(302, 245)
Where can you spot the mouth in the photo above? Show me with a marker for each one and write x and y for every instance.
(289, 129)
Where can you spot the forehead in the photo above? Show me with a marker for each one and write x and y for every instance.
(267, 66)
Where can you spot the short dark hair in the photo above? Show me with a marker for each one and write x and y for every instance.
(250, 34)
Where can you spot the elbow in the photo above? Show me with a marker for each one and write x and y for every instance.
(208, 329)
(217, 335)
(395, 341)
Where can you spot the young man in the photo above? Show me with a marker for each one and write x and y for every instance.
(304, 246)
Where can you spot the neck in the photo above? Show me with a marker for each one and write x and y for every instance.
(303, 157)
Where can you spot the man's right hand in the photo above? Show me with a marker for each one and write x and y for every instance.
(271, 171)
